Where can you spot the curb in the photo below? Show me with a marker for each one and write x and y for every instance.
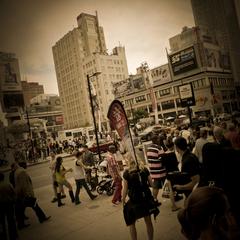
(35, 163)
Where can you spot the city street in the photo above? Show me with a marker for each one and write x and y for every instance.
(90, 220)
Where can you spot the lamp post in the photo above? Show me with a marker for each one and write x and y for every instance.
(92, 108)
(30, 133)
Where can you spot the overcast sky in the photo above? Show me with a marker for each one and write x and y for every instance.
(29, 28)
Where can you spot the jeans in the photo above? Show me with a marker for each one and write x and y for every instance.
(79, 184)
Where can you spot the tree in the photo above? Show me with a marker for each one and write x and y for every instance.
(138, 114)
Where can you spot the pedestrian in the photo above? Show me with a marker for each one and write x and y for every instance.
(61, 180)
(189, 175)
(7, 213)
(207, 215)
(140, 204)
(79, 175)
(170, 162)
(53, 175)
(200, 142)
(26, 197)
(114, 171)
(157, 170)
(88, 160)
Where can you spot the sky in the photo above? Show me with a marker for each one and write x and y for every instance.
(29, 28)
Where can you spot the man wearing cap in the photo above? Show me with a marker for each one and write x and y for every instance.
(114, 171)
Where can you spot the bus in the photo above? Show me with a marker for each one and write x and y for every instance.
(71, 134)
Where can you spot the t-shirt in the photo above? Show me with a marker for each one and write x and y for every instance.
(154, 159)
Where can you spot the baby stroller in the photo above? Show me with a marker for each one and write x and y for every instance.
(106, 185)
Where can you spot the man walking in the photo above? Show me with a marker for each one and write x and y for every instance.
(157, 170)
(25, 196)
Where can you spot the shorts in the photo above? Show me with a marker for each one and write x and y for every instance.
(158, 183)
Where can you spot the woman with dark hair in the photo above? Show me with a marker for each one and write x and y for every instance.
(207, 216)
(60, 173)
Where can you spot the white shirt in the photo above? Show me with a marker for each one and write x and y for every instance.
(198, 148)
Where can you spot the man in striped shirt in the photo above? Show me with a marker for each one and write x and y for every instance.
(156, 169)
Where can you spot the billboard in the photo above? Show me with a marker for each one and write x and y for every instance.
(187, 95)
(183, 61)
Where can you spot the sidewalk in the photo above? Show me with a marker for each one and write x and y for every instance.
(91, 220)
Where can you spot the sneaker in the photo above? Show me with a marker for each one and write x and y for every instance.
(178, 198)
(61, 204)
(77, 202)
(63, 196)
(54, 200)
(45, 219)
(116, 203)
(93, 197)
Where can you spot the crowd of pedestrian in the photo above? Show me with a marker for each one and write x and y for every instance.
(185, 160)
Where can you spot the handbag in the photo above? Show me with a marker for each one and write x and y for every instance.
(166, 190)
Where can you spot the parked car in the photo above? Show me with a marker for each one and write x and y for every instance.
(147, 133)
(103, 145)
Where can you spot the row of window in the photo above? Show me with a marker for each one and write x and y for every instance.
(221, 81)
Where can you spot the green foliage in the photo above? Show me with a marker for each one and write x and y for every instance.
(138, 114)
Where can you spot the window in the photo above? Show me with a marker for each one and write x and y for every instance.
(140, 99)
(168, 105)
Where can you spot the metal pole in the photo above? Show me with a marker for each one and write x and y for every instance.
(30, 133)
(93, 115)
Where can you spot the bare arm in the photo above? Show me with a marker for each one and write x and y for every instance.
(124, 191)
(189, 186)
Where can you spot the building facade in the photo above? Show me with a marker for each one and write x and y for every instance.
(31, 90)
(220, 18)
(47, 107)
(83, 52)
(194, 58)
(11, 95)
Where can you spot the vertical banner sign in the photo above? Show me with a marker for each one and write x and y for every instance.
(119, 122)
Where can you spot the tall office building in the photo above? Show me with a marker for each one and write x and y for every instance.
(11, 96)
(80, 52)
(221, 19)
(31, 90)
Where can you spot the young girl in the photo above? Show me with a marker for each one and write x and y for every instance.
(60, 173)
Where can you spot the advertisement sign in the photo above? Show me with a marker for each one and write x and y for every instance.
(183, 61)
(119, 122)
(187, 95)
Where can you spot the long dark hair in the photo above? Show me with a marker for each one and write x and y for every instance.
(58, 164)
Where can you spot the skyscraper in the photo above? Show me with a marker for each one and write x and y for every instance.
(221, 19)
(31, 90)
(11, 96)
(80, 52)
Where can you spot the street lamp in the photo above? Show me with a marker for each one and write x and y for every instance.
(92, 107)
(30, 134)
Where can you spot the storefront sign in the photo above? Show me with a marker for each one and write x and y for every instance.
(187, 95)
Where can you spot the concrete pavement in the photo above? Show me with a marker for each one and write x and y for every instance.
(97, 219)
